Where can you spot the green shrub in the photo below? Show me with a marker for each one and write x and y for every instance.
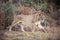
(7, 8)
(37, 4)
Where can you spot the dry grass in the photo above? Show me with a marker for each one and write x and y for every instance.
(13, 35)
(38, 35)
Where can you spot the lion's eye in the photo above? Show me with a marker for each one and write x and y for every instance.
(20, 22)
(42, 23)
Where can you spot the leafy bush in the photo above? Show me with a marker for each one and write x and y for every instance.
(7, 8)
(37, 4)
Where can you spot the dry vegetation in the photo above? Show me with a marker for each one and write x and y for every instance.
(52, 34)
(8, 17)
(13, 35)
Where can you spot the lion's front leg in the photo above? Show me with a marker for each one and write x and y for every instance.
(22, 29)
(10, 28)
